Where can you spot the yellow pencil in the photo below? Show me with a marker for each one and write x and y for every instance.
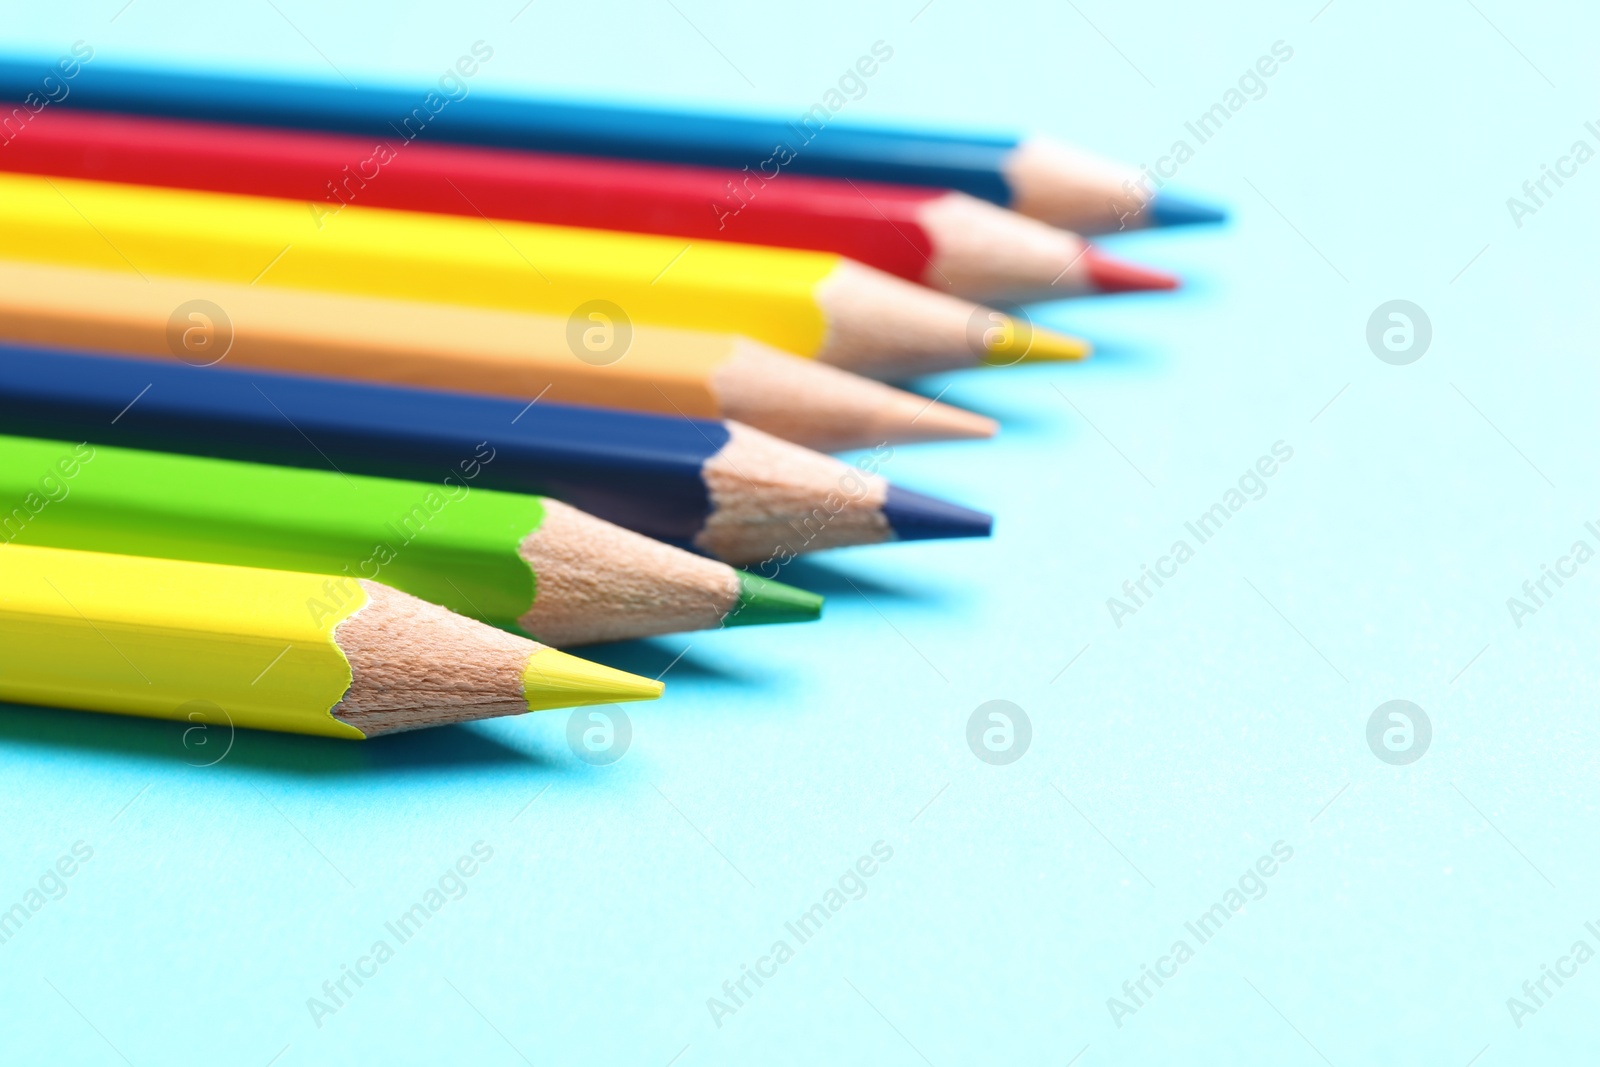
(446, 346)
(158, 637)
(809, 303)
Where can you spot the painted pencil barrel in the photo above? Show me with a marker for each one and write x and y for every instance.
(642, 472)
(1035, 176)
(731, 491)
(812, 143)
(518, 562)
(936, 237)
(237, 646)
(443, 541)
(159, 638)
(596, 358)
(765, 293)
(870, 222)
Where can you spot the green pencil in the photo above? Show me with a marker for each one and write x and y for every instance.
(519, 562)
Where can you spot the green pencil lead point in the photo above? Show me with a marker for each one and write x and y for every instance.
(762, 601)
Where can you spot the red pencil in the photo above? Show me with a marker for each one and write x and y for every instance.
(946, 240)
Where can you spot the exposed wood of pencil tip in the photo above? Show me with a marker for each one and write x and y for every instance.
(599, 582)
(828, 409)
(984, 252)
(415, 664)
(1060, 184)
(772, 500)
(887, 327)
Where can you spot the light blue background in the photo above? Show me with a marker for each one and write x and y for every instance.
(1228, 714)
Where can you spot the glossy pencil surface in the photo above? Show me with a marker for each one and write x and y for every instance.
(1036, 176)
(727, 489)
(597, 359)
(515, 561)
(640, 471)
(170, 639)
(968, 248)
(812, 144)
(766, 293)
(809, 303)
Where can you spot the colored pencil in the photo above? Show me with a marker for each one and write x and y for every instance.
(728, 490)
(809, 303)
(169, 639)
(1036, 176)
(562, 577)
(595, 361)
(943, 239)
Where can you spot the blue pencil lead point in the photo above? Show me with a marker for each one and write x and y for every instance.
(917, 517)
(1170, 210)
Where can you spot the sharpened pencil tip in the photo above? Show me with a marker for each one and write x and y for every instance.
(554, 679)
(933, 421)
(1112, 275)
(762, 600)
(1169, 209)
(917, 517)
(1021, 342)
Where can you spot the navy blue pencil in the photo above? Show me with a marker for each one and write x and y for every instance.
(1033, 175)
(723, 488)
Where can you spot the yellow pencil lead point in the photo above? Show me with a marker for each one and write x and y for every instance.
(1018, 341)
(554, 679)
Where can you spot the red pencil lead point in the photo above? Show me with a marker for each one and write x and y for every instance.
(1111, 275)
